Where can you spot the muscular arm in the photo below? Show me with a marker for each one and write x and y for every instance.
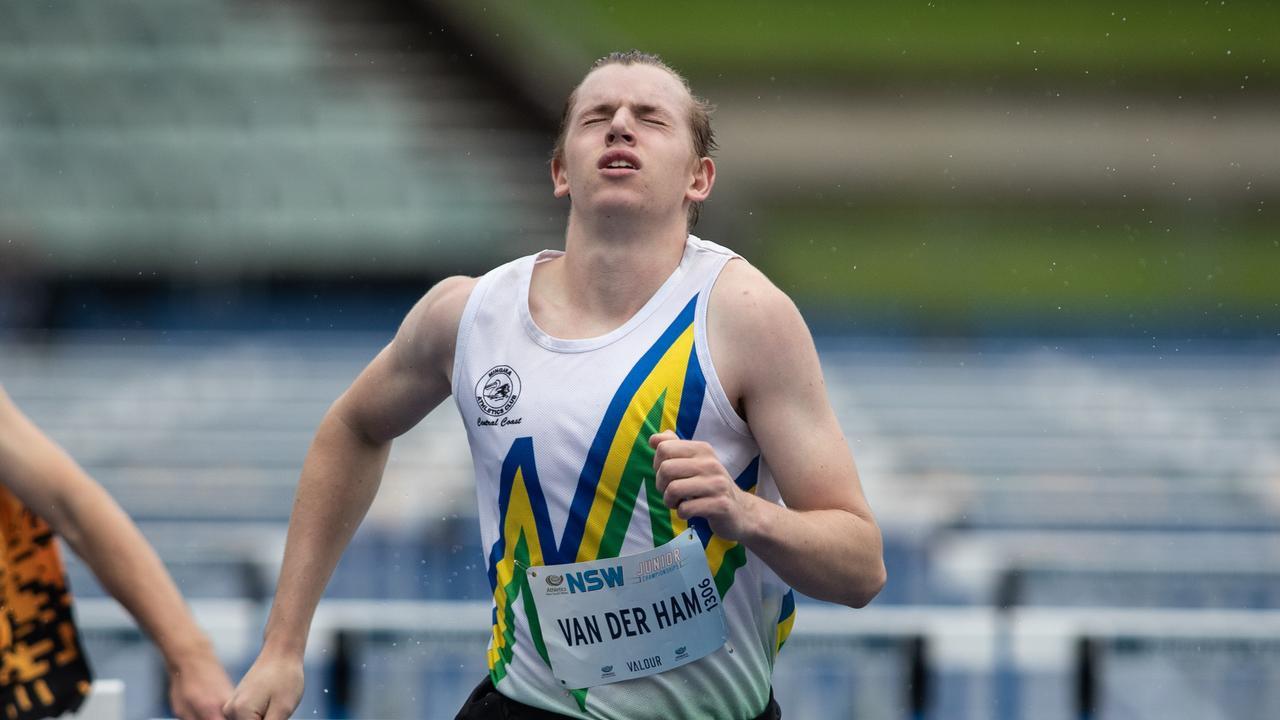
(340, 477)
(53, 486)
(825, 542)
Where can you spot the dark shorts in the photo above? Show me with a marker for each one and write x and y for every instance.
(486, 703)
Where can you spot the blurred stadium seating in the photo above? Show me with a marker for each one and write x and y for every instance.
(1056, 362)
(198, 138)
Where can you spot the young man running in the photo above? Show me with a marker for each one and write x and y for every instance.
(657, 463)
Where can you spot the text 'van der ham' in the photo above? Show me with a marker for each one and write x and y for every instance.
(586, 630)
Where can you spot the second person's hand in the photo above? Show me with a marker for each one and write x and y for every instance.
(198, 686)
(271, 690)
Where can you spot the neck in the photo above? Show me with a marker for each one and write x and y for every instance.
(613, 268)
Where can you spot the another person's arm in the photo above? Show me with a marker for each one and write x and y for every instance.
(340, 477)
(825, 542)
(54, 487)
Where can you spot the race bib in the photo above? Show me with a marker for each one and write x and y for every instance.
(603, 621)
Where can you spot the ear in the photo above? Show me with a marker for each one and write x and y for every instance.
(704, 177)
(559, 180)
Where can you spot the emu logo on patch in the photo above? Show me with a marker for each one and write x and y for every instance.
(498, 390)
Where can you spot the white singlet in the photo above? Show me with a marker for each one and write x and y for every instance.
(559, 434)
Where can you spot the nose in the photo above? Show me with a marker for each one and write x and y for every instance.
(620, 128)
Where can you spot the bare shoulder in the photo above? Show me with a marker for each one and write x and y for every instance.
(411, 375)
(746, 307)
(755, 331)
(446, 300)
(430, 329)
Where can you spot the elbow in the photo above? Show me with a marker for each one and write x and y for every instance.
(76, 511)
(344, 425)
(74, 538)
(869, 574)
(64, 521)
(870, 586)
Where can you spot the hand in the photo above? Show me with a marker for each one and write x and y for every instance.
(198, 687)
(271, 690)
(694, 483)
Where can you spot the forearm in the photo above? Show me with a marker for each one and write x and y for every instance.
(832, 555)
(85, 516)
(339, 479)
(54, 487)
(110, 544)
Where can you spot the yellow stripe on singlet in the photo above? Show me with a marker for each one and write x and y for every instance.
(667, 377)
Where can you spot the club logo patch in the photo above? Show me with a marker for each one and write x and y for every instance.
(498, 390)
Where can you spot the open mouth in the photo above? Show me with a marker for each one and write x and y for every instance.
(619, 162)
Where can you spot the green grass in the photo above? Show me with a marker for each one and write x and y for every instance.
(712, 40)
(950, 266)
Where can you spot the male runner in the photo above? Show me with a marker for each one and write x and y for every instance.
(45, 480)
(644, 402)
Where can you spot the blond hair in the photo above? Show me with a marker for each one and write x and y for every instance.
(704, 141)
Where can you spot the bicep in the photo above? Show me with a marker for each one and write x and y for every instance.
(798, 433)
(784, 397)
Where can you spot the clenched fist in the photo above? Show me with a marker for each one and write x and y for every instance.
(694, 483)
(270, 690)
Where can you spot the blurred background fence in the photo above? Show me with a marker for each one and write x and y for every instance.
(1038, 246)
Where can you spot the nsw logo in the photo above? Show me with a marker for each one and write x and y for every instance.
(594, 579)
(497, 390)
